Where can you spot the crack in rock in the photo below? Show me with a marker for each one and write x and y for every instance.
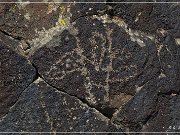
(78, 117)
(89, 67)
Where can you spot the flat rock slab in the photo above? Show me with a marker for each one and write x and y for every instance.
(16, 73)
(42, 108)
(98, 63)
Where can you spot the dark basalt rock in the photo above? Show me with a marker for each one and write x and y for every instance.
(138, 110)
(16, 74)
(93, 74)
(157, 100)
(87, 9)
(95, 64)
(166, 116)
(147, 17)
(148, 109)
(8, 41)
(42, 108)
(22, 22)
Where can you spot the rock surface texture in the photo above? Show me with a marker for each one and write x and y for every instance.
(90, 67)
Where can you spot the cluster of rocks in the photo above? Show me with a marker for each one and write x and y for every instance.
(90, 67)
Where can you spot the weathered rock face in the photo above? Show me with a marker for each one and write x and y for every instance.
(97, 67)
(140, 109)
(8, 41)
(16, 73)
(22, 21)
(87, 9)
(42, 108)
(166, 116)
(148, 17)
(151, 109)
(98, 63)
